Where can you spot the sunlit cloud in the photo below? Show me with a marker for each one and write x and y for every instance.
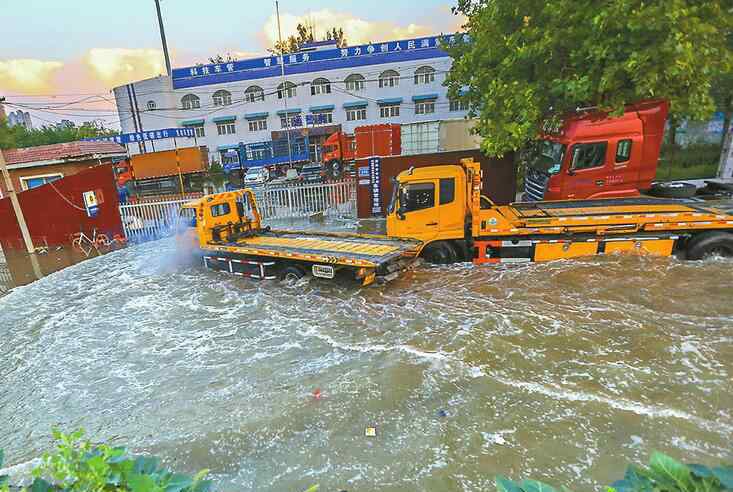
(356, 30)
(118, 66)
(27, 75)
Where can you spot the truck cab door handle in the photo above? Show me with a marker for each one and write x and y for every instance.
(600, 182)
(431, 224)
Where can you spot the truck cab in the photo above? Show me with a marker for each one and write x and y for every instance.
(594, 155)
(338, 147)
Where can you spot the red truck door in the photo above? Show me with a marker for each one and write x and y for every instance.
(587, 172)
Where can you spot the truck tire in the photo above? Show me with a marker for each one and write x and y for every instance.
(335, 168)
(440, 253)
(673, 190)
(713, 243)
(292, 273)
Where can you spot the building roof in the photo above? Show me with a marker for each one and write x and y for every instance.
(50, 154)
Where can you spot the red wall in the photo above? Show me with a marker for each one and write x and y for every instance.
(53, 219)
(499, 176)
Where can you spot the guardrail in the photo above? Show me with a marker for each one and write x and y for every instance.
(154, 220)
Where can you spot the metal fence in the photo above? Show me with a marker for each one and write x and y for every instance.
(153, 220)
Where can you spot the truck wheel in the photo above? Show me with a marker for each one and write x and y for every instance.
(673, 190)
(335, 169)
(292, 273)
(707, 244)
(440, 253)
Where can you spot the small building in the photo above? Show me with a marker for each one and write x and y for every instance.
(20, 118)
(31, 167)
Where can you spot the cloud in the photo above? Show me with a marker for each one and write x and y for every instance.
(356, 30)
(118, 66)
(28, 76)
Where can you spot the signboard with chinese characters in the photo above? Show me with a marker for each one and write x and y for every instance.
(126, 138)
(90, 203)
(317, 119)
(303, 62)
(375, 174)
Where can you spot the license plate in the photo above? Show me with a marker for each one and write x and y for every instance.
(323, 271)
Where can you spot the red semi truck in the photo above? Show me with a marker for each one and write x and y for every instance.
(367, 141)
(597, 156)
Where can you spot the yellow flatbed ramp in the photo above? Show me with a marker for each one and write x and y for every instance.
(355, 250)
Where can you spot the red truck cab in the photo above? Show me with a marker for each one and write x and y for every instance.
(594, 155)
(339, 147)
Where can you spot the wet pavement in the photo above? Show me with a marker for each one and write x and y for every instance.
(562, 371)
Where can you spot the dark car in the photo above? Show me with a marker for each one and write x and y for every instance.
(313, 172)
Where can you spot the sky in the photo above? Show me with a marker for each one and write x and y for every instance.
(63, 57)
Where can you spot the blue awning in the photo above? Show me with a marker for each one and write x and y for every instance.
(393, 100)
(356, 104)
(223, 119)
(288, 111)
(192, 122)
(325, 107)
(425, 97)
(256, 116)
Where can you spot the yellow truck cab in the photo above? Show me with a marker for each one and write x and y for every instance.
(442, 206)
(226, 230)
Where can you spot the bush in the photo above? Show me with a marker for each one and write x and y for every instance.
(664, 474)
(78, 465)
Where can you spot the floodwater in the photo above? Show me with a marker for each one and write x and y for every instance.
(562, 371)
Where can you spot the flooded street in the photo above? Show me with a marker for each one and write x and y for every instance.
(562, 371)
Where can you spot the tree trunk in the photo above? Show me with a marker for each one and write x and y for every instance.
(725, 168)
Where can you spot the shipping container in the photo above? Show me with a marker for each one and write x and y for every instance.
(456, 135)
(166, 162)
(377, 140)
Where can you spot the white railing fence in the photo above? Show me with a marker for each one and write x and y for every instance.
(153, 220)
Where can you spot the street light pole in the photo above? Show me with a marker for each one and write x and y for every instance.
(282, 84)
(162, 38)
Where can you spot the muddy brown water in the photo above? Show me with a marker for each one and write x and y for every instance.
(562, 371)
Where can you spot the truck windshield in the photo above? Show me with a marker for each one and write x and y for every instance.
(546, 156)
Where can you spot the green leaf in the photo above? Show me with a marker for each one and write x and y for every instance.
(4, 479)
(725, 475)
(536, 486)
(146, 464)
(701, 471)
(138, 482)
(503, 484)
(178, 482)
(312, 488)
(40, 485)
(671, 469)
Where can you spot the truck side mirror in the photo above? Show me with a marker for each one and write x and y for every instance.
(401, 211)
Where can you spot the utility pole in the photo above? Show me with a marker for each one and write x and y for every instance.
(14, 201)
(162, 38)
(282, 84)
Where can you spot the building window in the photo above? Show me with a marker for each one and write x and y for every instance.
(190, 101)
(389, 78)
(226, 128)
(229, 157)
(286, 89)
(30, 182)
(254, 93)
(258, 125)
(322, 117)
(320, 86)
(199, 129)
(355, 114)
(458, 105)
(589, 155)
(424, 75)
(355, 82)
(151, 105)
(425, 107)
(222, 98)
(389, 110)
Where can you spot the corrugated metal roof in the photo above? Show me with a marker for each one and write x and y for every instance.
(62, 151)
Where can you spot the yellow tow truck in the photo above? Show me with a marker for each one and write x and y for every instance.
(226, 230)
(442, 207)
(438, 213)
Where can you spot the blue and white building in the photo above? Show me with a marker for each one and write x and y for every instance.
(315, 92)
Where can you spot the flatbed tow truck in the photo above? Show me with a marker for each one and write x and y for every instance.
(227, 232)
(438, 213)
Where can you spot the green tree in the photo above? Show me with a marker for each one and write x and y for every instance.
(17, 136)
(528, 61)
(306, 34)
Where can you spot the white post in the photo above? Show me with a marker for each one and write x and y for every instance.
(725, 170)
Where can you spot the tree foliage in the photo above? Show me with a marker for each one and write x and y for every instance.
(306, 34)
(528, 61)
(18, 136)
